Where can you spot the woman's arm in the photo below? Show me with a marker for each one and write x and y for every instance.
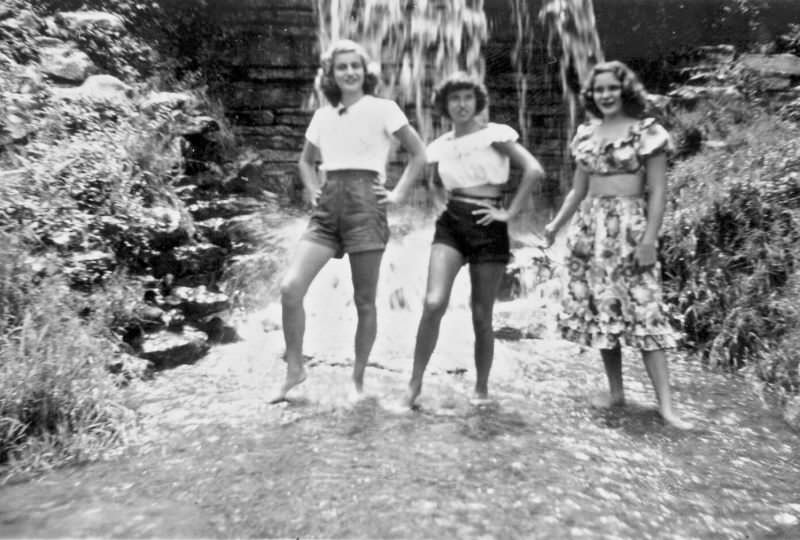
(416, 148)
(656, 169)
(532, 173)
(580, 185)
(308, 171)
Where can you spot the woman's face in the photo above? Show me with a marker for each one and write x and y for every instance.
(348, 72)
(607, 93)
(461, 105)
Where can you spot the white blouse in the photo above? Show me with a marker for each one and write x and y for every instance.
(471, 160)
(358, 136)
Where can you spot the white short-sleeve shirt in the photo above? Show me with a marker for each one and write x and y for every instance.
(471, 160)
(358, 136)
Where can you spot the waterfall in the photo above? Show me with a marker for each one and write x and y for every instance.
(571, 27)
(417, 42)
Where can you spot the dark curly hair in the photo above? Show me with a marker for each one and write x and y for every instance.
(325, 81)
(634, 96)
(459, 81)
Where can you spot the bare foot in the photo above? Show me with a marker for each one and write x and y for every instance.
(606, 401)
(480, 398)
(356, 394)
(294, 376)
(409, 400)
(676, 421)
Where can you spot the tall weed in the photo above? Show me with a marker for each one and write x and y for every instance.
(732, 241)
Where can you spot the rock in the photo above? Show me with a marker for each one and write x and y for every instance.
(130, 367)
(193, 259)
(168, 100)
(66, 62)
(88, 268)
(150, 317)
(98, 88)
(196, 302)
(791, 110)
(227, 208)
(186, 125)
(783, 65)
(81, 20)
(168, 349)
(218, 330)
(791, 412)
(24, 19)
(259, 178)
(167, 227)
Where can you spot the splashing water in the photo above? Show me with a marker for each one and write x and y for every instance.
(417, 42)
(572, 23)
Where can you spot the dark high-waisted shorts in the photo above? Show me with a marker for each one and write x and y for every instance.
(457, 227)
(348, 217)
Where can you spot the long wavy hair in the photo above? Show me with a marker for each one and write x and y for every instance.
(327, 83)
(459, 81)
(634, 96)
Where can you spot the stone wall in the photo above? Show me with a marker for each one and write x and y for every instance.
(269, 59)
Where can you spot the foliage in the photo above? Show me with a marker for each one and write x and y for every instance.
(57, 402)
(731, 238)
(790, 41)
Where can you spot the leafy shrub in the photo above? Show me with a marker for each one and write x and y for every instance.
(731, 241)
(57, 402)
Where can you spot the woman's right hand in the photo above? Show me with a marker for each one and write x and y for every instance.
(549, 234)
(314, 196)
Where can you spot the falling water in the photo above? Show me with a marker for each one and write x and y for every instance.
(418, 43)
(571, 28)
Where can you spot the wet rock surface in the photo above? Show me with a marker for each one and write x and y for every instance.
(212, 458)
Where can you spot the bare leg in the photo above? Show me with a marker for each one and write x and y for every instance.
(444, 264)
(612, 361)
(485, 279)
(306, 264)
(365, 269)
(655, 362)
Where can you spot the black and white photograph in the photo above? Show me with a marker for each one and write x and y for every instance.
(400, 269)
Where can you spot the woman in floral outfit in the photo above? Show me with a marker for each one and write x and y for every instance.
(613, 293)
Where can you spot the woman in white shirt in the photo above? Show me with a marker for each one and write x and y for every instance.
(351, 137)
(473, 164)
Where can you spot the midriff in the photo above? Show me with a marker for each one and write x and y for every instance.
(485, 190)
(616, 185)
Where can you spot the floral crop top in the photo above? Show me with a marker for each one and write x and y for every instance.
(621, 156)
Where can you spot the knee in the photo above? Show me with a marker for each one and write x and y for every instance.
(365, 304)
(292, 293)
(434, 305)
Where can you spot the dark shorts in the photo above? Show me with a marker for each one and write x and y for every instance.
(457, 227)
(348, 217)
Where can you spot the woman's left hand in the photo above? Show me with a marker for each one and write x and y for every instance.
(490, 214)
(645, 255)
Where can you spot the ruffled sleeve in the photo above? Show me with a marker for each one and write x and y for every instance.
(654, 139)
(433, 152)
(583, 136)
(501, 133)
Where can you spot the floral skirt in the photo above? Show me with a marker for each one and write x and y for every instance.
(607, 300)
